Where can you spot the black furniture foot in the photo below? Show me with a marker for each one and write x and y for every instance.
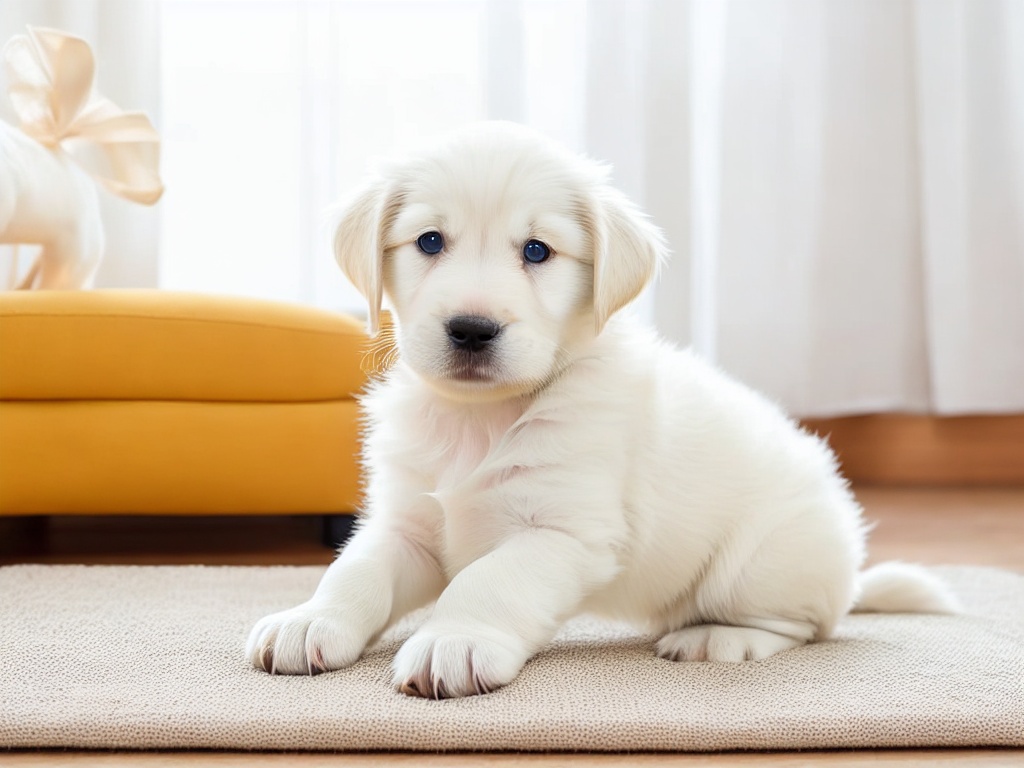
(337, 529)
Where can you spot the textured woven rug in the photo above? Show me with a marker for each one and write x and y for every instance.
(151, 657)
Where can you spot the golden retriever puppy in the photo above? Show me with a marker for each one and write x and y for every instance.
(535, 454)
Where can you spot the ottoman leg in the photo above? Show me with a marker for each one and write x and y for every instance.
(23, 536)
(337, 529)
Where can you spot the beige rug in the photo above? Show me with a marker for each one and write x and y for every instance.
(120, 657)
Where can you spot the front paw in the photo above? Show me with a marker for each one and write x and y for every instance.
(305, 640)
(440, 663)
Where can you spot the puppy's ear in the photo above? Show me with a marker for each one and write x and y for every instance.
(359, 242)
(628, 249)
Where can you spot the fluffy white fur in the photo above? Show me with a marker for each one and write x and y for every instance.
(579, 464)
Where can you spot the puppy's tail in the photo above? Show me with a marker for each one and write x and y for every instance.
(901, 588)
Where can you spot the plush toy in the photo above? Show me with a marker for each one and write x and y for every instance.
(70, 138)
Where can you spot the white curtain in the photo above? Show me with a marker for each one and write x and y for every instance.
(124, 36)
(273, 109)
(841, 181)
(843, 185)
(970, 100)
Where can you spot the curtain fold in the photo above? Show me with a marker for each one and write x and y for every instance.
(970, 102)
(847, 223)
(819, 290)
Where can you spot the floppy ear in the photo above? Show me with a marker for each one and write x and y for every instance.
(628, 249)
(359, 243)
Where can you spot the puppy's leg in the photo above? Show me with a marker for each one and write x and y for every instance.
(384, 572)
(498, 612)
(721, 642)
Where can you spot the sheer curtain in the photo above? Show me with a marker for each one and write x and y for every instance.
(871, 216)
(970, 98)
(848, 212)
(842, 183)
(273, 109)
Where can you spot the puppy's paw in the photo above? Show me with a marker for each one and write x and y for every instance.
(717, 642)
(436, 663)
(305, 640)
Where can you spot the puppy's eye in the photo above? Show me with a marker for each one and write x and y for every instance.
(535, 251)
(431, 243)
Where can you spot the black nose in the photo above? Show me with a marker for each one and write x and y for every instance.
(472, 332)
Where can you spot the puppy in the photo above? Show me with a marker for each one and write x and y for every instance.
(534, 454)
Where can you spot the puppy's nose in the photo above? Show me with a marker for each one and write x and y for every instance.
(472, 332)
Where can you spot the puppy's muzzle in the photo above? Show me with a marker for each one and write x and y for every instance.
(472, 333)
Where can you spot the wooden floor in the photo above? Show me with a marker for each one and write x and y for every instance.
(942, 526)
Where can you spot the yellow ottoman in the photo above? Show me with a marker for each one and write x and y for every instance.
(152, 402)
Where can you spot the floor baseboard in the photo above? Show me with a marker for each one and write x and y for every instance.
(905, 449)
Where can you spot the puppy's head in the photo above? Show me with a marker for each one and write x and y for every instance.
(501, 254)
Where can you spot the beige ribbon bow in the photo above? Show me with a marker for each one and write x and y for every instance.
(51, 89)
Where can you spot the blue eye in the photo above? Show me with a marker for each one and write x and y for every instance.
(535, 251)
(431, 243)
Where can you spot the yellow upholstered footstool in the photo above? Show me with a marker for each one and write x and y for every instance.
(152, 402)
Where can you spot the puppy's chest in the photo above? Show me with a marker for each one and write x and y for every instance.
(467, 522)
(462, 445)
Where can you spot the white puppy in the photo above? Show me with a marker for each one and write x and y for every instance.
(534, 455)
